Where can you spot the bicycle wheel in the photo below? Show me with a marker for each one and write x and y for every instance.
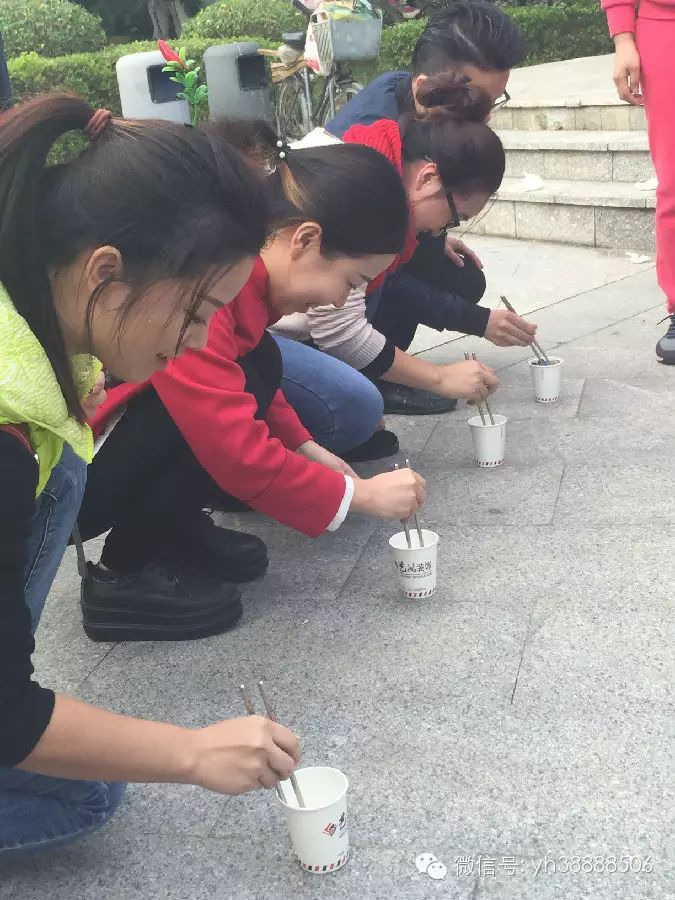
(291, 109)
(343, 94)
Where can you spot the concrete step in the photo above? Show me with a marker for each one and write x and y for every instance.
(621, 156)
(572, 116)
(613, 215)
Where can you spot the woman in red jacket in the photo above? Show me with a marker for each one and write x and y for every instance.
(214, 430)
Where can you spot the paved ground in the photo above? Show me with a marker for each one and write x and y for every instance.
(521, 717)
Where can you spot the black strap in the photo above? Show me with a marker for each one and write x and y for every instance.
(79, 550)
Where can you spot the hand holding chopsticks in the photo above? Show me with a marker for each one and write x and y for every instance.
(478, 403)
(404, 522)
(536, 349)
(248, 705)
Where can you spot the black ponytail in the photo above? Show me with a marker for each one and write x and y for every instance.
(352, 191)
(452, 133)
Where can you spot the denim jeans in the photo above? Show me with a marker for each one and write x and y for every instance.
(338, 405)
(38, 812)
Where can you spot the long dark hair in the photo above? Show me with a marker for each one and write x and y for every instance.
(351, 191)
(452, 133)
(173, 202)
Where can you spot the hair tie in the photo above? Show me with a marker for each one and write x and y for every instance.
(98, 124)
(283, 149)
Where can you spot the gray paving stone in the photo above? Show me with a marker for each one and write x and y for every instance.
(554, 222)
(190, 869)
(554, 884)
(617, 494)
(624, 228)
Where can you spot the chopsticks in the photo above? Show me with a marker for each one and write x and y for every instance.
(538, 352)
(404, 522)
(478, 404)
(248, 705)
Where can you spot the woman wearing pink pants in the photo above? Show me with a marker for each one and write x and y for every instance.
(644, 73)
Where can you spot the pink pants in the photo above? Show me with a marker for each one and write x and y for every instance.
(656, 45)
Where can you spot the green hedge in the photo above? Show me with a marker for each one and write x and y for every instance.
(90, 74)
(555, 32)
(550, 32)
(563, 32)
(49, 27)
(268, 18)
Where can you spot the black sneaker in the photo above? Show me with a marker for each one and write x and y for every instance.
(382, 444)
(233, 555)
(665, 349)
(406, 401)
(156, 604)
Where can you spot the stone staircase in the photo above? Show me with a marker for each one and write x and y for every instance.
(589, 149)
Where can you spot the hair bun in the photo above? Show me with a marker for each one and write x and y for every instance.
(449, 94)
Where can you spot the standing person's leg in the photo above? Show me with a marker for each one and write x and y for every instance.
(38, 812)
(656, 45)
(338, 405)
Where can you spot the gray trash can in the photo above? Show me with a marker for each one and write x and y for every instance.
(238, 81)
(148, 93)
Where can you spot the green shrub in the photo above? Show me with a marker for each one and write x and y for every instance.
(49, 27)
(268, 18)
(550, 32)
(90, 74)
(562, 32)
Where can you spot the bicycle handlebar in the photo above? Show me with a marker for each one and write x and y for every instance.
(300, 6)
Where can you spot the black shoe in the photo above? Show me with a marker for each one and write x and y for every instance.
(232, 555)
(156, 604)
(380, 445)
(406, 401)
(665, 349)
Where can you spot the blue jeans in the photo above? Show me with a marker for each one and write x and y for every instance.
(338, 405)
(38, 812)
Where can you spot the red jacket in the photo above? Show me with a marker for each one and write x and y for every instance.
(250, 459)
(385, 137)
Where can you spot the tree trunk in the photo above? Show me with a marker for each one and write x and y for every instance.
(167, 17)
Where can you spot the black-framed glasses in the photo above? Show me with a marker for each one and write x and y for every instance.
(454, 215)
(501, 101)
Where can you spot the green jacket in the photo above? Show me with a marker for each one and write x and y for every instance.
(30, 394)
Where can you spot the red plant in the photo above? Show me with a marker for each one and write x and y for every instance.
(169, 54)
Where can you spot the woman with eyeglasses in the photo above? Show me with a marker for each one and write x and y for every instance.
(451, 163)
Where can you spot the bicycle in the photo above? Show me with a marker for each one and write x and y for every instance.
(301, 102)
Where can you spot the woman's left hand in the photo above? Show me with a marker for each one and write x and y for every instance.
(95, 397)
(456, 250)
(317, 453)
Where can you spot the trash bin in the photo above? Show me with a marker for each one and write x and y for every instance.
(238, 81)
(148, 93)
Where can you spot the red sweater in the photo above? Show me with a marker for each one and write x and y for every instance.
(621, 14)
(385, 137)
(253, 460)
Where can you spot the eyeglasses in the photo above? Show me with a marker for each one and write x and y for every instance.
(500, 101)
(454, 215)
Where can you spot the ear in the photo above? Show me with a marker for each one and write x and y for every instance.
(427, 181)
(103, 264)
(306, 237)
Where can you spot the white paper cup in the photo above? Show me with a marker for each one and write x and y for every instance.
(546, 379)
(489, 441)
(416, 566)
(319, 832)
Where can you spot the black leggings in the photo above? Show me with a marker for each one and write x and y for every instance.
(146, 484)
(398, 319)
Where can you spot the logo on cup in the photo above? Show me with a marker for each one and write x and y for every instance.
(331, 828)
